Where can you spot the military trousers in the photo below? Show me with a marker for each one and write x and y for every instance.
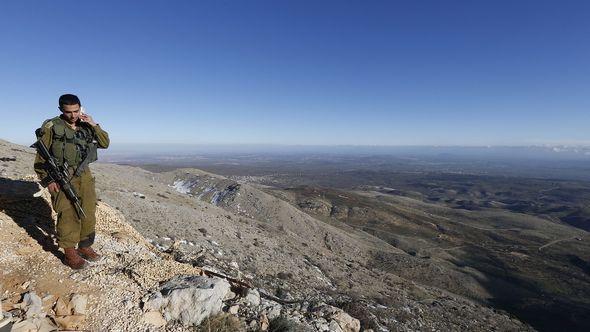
(71, 229)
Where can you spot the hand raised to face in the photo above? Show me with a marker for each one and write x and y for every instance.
(88, 119)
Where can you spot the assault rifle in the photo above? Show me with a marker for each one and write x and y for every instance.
(60, 175)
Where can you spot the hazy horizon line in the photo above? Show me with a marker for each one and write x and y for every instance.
(582, 144)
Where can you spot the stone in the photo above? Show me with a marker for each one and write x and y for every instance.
(230, 295)
(264, 323)
(70, 322)
(346, 322)
(253, 298)
(75, 306)
(188, 299)
(273, 309)
(61, 307)
(140, 195)
(154, 318)
(78, 304)
(33, 305)
(24, 326)
(46, 325)
(338, 316)
(253, 325)
(333, 326)
(234, 309)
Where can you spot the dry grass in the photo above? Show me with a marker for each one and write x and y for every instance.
(221, 323)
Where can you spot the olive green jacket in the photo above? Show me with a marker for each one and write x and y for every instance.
(46, 136)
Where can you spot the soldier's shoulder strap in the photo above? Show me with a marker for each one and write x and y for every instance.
(48, 125)
(56, 121)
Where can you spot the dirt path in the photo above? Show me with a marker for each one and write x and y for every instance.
(557, 241)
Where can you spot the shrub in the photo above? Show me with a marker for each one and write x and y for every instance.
(223, 322)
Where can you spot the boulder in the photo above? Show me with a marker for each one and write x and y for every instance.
(188, 299)
(337, 317)
(272, 309)
(78, 304)
(33, 305)
(154, 318)
(70, 313)
(253, 298)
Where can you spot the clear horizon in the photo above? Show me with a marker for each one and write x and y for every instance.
(329, 73)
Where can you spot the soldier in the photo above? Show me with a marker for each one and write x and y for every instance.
(73, 137)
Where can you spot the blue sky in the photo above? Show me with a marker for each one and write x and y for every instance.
(302, 72)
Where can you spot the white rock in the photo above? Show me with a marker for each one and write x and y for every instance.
(230, 295)
(189, 299)
(273, 309)
(24, 326)
(253, 324)
(33, 305)
(333, 326)
(253, 298)
(78, 304)
(140, 195)
(154, 318)
(233, 309)
(337, 315)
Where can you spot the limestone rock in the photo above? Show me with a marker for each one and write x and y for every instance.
(75, 306)
(33, 305)
(234, 309)
(78, 304)
(188, 299)
(334, 315)
(273, 309)
(253, 298)
(70, 322)
(24, 326)
(154, 318)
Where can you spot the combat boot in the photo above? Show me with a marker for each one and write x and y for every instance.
(74, 260)
(89, 254)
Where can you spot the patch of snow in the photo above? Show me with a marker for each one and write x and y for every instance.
(184, 186)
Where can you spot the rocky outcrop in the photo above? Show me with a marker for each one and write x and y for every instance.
(188, 299)
(316, 207)
(334, 319)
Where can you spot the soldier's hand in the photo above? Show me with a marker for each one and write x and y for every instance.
(53, 187)
(88, 119)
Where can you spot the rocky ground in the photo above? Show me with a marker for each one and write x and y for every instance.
(173, 261)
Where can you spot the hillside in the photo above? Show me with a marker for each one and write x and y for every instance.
(152, 228)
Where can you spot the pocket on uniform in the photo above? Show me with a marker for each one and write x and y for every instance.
(60, 202)
(70, 151)
(58, 131)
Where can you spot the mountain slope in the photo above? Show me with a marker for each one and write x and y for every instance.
(266, 241)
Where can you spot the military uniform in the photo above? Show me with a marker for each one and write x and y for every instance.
(77, 148)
